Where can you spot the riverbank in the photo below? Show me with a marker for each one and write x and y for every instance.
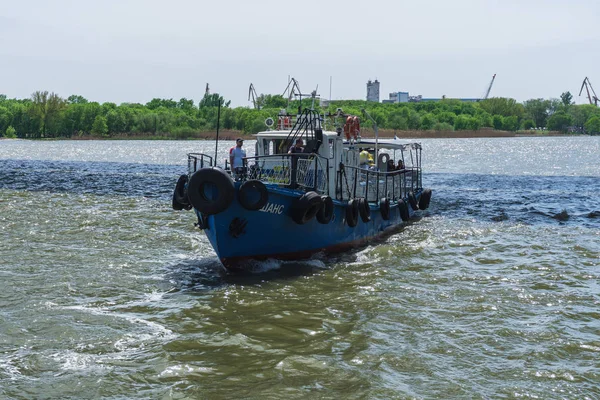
(366, 133)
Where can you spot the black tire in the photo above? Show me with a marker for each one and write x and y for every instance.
(403, 209)
(180, 200)
(306, 207)
(364, 209)
(325, 214)
(352, 213)
(412, 200)
(181, 190)
(253, 195)
(425, 199)
(177, 206)
(211, 190)
(384, 207)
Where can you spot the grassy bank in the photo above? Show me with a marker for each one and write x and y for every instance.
(366, 133)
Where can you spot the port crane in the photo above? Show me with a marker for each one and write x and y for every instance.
(489, 89)
(294, 89)
(252, 95)
(593, 99)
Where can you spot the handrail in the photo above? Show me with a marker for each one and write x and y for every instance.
(308, 171)
(375, 185)
(204, 160)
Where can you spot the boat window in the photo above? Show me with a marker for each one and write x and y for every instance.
(265, 147)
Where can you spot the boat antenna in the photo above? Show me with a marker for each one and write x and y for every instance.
(375, 129)
(217, 140)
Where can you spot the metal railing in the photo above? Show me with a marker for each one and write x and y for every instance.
(197, 161)
(374, 185)
(304, 171)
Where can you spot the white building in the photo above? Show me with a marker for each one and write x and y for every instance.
(373, 91)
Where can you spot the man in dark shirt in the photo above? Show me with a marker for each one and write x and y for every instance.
(297, 148)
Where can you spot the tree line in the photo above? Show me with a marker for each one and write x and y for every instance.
(47, 115)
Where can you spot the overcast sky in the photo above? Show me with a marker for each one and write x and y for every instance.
(135, 50)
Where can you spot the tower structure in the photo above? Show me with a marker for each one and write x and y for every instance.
(373, 91)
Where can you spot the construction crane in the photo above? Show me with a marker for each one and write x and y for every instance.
(294, 89)
(252, 95)
(489, 89)
(588, 86)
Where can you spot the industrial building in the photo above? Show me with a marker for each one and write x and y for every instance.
(373, 91)
(405, 97)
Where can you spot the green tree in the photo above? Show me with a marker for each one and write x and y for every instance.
(566, 98)
(76, 99)
(510, 123)
(213, 100)
(11, 133)
(271, 101)
(498, 122)
(447, 117)
(528, 124)
(47, 109)
(537, 110)
(100, 127)
(592, 126)
(502, 106)
(559, 121)
(428, 121)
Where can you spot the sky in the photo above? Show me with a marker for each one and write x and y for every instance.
(136, 50)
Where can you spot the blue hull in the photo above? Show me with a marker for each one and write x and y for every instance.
(240, 236)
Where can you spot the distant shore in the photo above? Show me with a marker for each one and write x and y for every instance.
(366, 133)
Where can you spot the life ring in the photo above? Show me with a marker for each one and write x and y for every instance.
(180, 200)
(210, 190)
(364, 209)
(356, 127)
(348, 127)
(325, 213)
(305, 207)
(384, 207)
(412, 200)
(403, 208)
(382, 161)
(425, 199)
(352, 213)
(253, 195)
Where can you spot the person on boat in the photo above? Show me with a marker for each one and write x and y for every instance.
(236, 156)
(297, 147)
(400, 165)
(391, 167)
(363, 158)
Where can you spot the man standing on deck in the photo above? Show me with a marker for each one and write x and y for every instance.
(236, 155)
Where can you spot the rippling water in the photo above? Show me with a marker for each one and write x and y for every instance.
(105, 292)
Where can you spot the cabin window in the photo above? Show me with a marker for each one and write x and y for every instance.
(265, 147)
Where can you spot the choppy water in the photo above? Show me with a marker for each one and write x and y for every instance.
(105, 292)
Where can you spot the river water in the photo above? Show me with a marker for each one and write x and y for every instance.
(105, 292)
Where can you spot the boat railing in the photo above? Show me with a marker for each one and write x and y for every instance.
(373, 185)
(304, 171)
(197, 161)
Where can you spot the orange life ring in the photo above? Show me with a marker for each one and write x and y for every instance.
(356, 127)
(348, 127)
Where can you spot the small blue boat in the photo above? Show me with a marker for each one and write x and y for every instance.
(338, 193)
